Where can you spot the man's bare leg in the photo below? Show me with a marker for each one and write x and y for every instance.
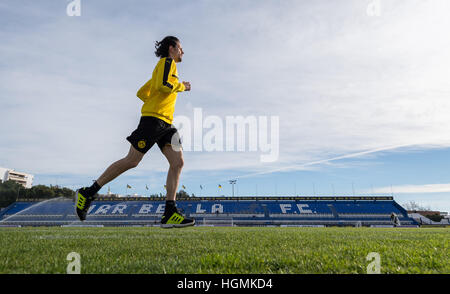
(176, 163)
(84, 196)
(119, 167)
(171, 217)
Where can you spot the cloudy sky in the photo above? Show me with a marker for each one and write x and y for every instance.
(360, 89)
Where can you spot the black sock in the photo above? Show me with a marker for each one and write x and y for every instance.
(170, 206)
(94, 188)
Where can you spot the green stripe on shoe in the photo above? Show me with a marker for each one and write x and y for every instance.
(81, 201)
(175, 219)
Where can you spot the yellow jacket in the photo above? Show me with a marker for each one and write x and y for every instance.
(160, 92)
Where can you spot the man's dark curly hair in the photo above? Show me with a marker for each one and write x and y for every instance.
(162, 48)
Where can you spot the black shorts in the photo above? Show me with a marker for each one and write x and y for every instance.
(153, 130)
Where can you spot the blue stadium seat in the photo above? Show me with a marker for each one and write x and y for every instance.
(248, 212)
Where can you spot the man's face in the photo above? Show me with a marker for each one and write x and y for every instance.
(176, 52)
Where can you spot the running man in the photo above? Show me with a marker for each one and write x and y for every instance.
(159, 95)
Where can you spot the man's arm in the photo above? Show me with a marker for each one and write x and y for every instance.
(167, 80)
(144, 91)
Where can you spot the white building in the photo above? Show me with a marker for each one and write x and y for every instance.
(24, 179)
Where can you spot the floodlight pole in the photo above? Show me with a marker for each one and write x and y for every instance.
(232, 182)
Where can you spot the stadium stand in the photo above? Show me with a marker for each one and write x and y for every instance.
(236, 211)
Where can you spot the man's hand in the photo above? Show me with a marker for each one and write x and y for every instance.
(187, 85)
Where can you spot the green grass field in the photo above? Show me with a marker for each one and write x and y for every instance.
(223, 250)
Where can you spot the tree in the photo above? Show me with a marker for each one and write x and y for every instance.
(435, 217)
(10, 191)
(182, 194)
(411, 205)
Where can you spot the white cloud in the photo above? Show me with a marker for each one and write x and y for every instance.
(341, 82)
(414, 189)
